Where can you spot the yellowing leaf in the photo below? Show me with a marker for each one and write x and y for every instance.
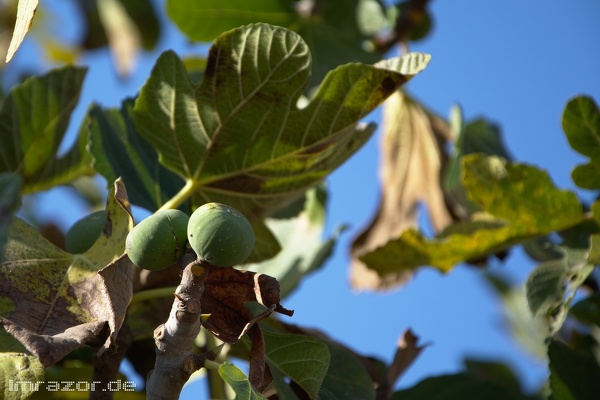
(412, 161)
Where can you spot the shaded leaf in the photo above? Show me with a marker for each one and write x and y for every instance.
(302, 358)
(462, 386)
(62, 301)
(35, 117)
(518, 200)
(581, 123)
(412, 158)
(303, 250)
(552, 285)
(239, 138)
(587, 310)
(10, 189)
(239, 382)
(119, 151)
(25, 12)
(573, 374)
(346, 377)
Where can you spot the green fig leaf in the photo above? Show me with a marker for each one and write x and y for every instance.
(304, 359)
(239, 138)
(238, 381)
(119, 151)
(581, 123)
(36, 114)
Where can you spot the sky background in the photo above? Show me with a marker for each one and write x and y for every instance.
(516, 63)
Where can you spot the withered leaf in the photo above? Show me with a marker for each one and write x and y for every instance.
(63, 301)
(412, 161)
(226, 292)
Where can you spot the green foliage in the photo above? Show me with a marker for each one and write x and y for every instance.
(259, 125)
(581, 122)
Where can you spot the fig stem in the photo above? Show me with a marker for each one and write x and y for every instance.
(186, 192)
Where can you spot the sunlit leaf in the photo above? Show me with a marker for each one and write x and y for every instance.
(302, 358)
(35, 117)
(239, 382)
(518, 200)
(239, 138)
(25, 12)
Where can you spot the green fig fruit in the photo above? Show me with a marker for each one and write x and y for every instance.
(220, 235)
(84, 233)
(157, 242)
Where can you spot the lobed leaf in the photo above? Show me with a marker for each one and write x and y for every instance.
(239, 137)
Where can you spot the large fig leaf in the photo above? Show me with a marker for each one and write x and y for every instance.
(520, 202)
(59, 301)
(581, 123)
(35, 116)
(239, 137)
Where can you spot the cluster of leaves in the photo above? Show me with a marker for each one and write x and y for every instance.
(259, 126)
(237, 137)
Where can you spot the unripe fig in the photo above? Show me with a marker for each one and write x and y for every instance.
(84, 233)
(158, 241)
(220, 235)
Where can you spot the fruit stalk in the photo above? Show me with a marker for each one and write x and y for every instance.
(175, 338)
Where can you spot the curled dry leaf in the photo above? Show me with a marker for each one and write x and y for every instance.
(412, 163)
(59, 301)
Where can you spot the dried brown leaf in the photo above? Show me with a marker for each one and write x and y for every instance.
(412, 161)
(63, 301)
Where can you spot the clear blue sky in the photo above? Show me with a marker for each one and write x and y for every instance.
(515, 62)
